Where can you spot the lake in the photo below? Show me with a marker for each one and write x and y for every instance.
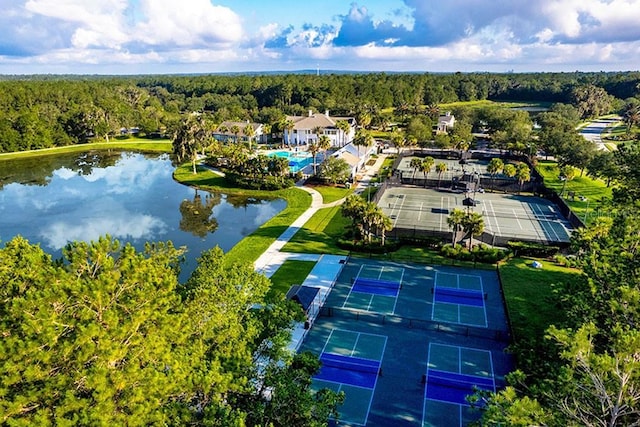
(52, 200)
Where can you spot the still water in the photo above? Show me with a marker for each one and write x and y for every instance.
(53, 200)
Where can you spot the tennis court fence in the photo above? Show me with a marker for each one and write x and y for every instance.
(411, 323)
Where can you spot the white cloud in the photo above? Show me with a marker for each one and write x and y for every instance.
(185, 23)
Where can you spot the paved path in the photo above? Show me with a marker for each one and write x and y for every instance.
(593, 131)
(272, 258)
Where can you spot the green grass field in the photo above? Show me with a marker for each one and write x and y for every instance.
(291, 272)
(136, 144)
(319, 235)
(528, 294)
(331, 194)
(593, 190)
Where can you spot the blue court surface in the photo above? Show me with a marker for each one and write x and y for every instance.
(407, 343)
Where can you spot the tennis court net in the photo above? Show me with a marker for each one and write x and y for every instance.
(423, 324)
(459, 293)
(350, 363)
(379, 283)
(459, 381)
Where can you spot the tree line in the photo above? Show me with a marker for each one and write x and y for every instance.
(42, 112)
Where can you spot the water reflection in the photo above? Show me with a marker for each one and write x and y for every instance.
(132, 197)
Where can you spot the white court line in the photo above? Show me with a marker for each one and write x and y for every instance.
(327, 341)
(355, 344)
(496, 219)
(433, 297)
(484, 305)
(515, 216)
(420, 211)
(384, 348)
(484, 209)
(537, 211)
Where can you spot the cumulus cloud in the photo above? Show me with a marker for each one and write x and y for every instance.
(198, 35)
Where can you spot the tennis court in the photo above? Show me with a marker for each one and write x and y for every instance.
(459, 298)
(351, 363)
(384, 355)
(505, 215)
(453, 373)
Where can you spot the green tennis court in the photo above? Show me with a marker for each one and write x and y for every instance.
(445, 401)
(468, 308)
(355, 346)
(356, 338)
(380, 295)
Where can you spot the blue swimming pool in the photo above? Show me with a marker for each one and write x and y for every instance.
(297, 160)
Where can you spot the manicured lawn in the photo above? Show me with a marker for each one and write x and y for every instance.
(320, 233)
(331, 194)
(291, 272)
(252, 246)
(136, 144)
(593, 189)
(528, 294)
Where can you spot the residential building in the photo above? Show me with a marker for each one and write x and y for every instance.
(445, 122)
(309, 128)
(225, 133)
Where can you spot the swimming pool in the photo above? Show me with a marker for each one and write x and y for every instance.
(297, 160)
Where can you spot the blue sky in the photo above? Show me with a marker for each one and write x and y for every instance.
(208, 36)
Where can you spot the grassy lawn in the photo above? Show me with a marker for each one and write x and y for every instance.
(291, 272)
(252, 246)
(320, 233)
(527, 292)
(136, 144)
(331, 194)
(594, 190)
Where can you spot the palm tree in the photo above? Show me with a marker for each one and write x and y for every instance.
(363, 138)
(249, 132)
(631, 116)
(433, 111)
(324, 143)
(288, 125)
(523, 174)
(494, 167)
(425, 167)
(473, 224)
(398, 141)
(441, 168)
(455, 221)
(343, 126)
(314, 148)
(235, 130)
(415, 164)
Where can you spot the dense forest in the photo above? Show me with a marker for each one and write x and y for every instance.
(43, 111)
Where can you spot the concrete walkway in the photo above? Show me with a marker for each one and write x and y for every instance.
(272, 258)
(327, 267)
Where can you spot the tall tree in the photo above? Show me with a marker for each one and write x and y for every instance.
(249, 132)
(425, 167)
(190, 136)
(441, 168)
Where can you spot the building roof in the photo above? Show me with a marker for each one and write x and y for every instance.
(241, 125)
(352, 160)
(303, 295)
(312, 121)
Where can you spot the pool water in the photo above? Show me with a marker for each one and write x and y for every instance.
(297, 160)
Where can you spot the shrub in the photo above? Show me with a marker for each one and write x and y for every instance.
(480, 253)
(532, 249)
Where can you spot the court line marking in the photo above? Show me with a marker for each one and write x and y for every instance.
(484, 305)
(344, 304)
(515, 216)
(433, 298)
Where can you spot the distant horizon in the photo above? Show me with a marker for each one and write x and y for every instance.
(164, 37)
(309, 72)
